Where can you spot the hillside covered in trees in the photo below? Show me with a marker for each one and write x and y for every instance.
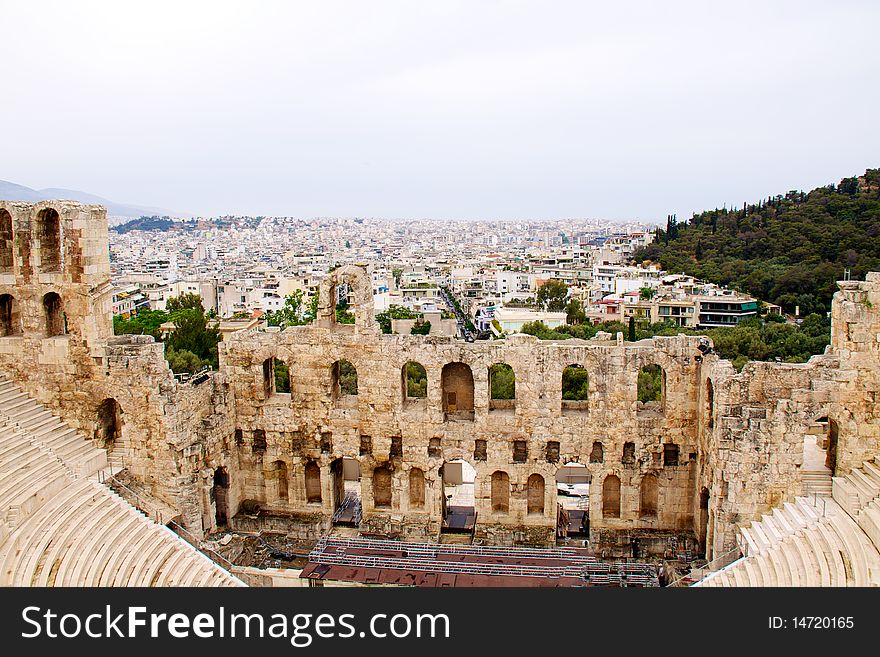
(789, 250)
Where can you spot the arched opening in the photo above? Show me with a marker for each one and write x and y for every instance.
(597, 454)
(820, 456)
(416, 488)
(220, 493)
(268, 377)
(346, 480)
(611, 497)
(651, 390)
(457, 479)
(648, 496)
(500, 492)
(10, 322)
(53, 310)
(313, 483)
(573, 500)
(344, 379)
(108, 432)
(6, 242)
(535, 494)
(415, 381)
(382, 487)
(710, 405)
(280, 482)
(49, 234)
(502, 387)
(457, 384)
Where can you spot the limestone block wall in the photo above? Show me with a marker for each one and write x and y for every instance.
(314, 424)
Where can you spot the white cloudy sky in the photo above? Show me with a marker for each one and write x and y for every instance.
(481, 109)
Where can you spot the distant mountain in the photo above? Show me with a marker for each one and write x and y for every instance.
(13, 192)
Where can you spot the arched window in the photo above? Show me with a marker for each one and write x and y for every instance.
(416, 488)
(382, 487)
(457, 383)
(535, 494)
(313, 482)
(611, 497)
(415, 381)
(502, 386)
(109, 426)
(500, 492)
(652, 389)
(345, 379)
(10, 323)
(597, 455)
(575, 387)
(279, 473)
(53, 310)
(6, 241)
(49, 233)
(648, 498)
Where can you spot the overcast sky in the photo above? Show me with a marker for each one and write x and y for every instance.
(475, 109)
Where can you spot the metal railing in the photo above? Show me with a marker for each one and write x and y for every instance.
(191, 539)
(716, 565)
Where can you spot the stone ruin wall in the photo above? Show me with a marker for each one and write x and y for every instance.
(176, 435)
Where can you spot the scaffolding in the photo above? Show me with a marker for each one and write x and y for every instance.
(484, 561)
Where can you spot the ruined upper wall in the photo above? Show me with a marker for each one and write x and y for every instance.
(60, 248)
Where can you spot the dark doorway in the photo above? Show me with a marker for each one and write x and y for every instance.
(221, 496)
(108, 432)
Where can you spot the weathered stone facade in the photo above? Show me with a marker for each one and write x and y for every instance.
(720, 448)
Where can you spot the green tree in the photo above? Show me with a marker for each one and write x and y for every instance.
(282, 376)
(632, 328)
(183, 361)
(575, 383)
(343, 314)
(502, 382)
(191, 333)
(575, 312)
(646, 293)
(420, 328)
(650, 384)
(552, 295)
(416, 381)
(292, 313)
(184, 302)
(145, 322)
(348, 378)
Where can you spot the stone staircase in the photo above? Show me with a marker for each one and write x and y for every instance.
(815, 475)
(816, 483)
(813, 541)
(59, 526)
